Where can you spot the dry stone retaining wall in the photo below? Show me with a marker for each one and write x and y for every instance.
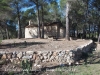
(38, 57)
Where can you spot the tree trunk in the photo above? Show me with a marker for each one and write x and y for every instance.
(42, 22)
(2, 32)
(7, 32)
(77, 30)
(99, 38)
(98, 30)
(19, 25)
(74, 29)
(58, 30)
(86, 20)
(19, 30)
(98, 34)
(38, 20)
(67, 21)
(89, 31)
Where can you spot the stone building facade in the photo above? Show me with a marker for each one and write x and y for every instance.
(54, 29)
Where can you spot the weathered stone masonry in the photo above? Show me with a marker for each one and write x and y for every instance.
(38, 57)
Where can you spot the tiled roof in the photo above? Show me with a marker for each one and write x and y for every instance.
(45, 24)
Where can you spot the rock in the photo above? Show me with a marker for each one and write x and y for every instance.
(52, 57)
(65, 56)
(43, 60)
(24, 53)
(54, 53)
(29, 53)
(2, 52)
(13, 67)
(14, 52)
(77, 63)
(15, 60)
(4, 56)
(69, 63)
(47, 60)
(27, 57)
(35, 64)
(12, 60)
(0, 56)
(8, 61)
(39, 52)
(60, 60)
(70, 54)
(40, 66)
(69, 60)
(41, 57)
(56, 57)
(19, 55)
(34, 56)
(37, 61)
(52, 60)
(50, 53)
(48, 56)
(45, 57)
(45, 53)
(18, 60)
(9, 56)
(14, 55)
(2, 61)
(59, 54)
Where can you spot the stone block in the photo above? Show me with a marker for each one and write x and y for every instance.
(71, 54)
(3, 61)
(41, 57)
(27, 57)
(29, 52)
(39, 52)
(14, 55)
(38, 61)
(50, 53)
(9, 56)
(54, 53)
(24, 53)
(15, 61)
(19, 55)
(1, 56)
(52, 57)
(45, 57)
(45, 53)
(4, 56)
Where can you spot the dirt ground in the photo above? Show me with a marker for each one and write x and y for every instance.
(40, 44)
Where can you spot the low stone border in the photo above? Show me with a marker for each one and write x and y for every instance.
(39, 57)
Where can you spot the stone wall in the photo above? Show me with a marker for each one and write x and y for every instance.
(31, 32)
(39, 57)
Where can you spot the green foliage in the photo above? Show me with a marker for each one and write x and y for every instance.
(10, 73)
(26, 66)
(0, 41)
(4, 10)
(82, 12)
(89, 69)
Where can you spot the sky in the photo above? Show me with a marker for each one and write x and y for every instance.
(24, 9)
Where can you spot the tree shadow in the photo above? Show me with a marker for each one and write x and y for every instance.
(20, 44)
(94, 59)
(91, 57)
